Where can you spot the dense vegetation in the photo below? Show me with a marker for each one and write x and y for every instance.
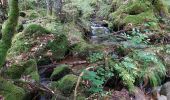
(85, 50)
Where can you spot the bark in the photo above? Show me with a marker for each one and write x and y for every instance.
(49, 7)
(57, 7)
(8, 30)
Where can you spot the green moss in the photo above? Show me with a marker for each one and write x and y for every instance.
(35, 30)
(22, 42)
(11, 92)
(24, 68)
(59, 46)
(137, 12)
(60, 71)
(66, 84)
(140, 18)
(161, 8)
(8, 30)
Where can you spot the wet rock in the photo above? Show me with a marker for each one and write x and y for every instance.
(165, 90)
(59, 72)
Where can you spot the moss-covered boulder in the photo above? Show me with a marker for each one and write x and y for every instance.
(37, 42)
(165, 90)
(66, 84)
(59, 46)
(137, 12)
(60, 71)
(9, 91)
(28, 68)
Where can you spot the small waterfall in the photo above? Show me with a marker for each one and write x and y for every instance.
(98, 31)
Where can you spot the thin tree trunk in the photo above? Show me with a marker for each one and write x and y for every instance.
(57, 7)
(49, 7)
(8, 30)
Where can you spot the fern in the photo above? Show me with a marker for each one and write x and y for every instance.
(139, 65)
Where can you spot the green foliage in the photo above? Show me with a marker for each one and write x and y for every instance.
(151, 67)
(97, 79)
(85, 7)
(95, 57)
(126, 70)
(26, 4)
(139, 65)
(137, 37)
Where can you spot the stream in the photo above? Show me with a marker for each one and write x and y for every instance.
(100, 34)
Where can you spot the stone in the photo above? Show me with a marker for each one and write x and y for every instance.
(165, 90)
(66, 84)
(59, 72)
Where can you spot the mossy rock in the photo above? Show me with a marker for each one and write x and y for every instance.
(137, 12)
(35, 30)
(11, 92)
(66, 84)
(28, 68)
(22, 42)
(59, 46)
(60, 71)
(42, 41)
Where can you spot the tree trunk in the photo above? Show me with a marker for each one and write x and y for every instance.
(8, 30)
(49, 7)
(57, 7)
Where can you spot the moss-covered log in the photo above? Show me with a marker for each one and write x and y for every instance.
(8, 30)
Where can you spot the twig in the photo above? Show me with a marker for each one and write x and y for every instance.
(78, 82)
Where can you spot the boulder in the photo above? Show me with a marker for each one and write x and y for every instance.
(59, 72)
(24, 69)
(137, 12)
(9, 91)
(39, 43)
(66, 84)
(165, 90)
